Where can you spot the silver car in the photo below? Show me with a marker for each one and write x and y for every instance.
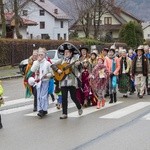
(52, 54)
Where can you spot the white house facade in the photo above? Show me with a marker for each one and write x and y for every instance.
(146, 30)
(52, 22)
(110, 23)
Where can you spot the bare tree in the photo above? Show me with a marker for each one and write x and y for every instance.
(3, 21)
(17, 20)
(90, 13)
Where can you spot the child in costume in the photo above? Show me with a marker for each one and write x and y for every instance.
(86, 89)
(99, 80)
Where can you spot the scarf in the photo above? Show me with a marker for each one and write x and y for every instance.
(123, 61)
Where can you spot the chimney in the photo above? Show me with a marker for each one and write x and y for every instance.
(118, 10)
(56, 11)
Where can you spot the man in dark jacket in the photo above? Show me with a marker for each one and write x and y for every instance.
(140, 70)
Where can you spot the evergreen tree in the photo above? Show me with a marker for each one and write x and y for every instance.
(132, 34)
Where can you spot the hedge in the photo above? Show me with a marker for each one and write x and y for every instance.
(13, 51)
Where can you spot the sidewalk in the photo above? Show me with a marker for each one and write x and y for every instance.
(8, 72)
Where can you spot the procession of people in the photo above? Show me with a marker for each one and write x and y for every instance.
(89, 75)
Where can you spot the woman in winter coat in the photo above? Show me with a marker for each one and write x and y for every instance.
(124, 73)
(99, 80)
(112, 63)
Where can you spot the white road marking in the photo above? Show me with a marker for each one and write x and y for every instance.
(5, 97)
(146, 117)
(17, 101)
(125, 111)
(90, 110)
(17, 109)
(51, 110)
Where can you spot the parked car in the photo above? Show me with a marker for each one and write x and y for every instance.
(52, 54)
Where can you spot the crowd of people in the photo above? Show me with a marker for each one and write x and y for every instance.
(88, 75)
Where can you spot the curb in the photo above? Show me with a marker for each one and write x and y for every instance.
(11, 77)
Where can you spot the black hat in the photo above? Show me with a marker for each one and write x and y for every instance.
(141, 47)
(84, 48)
(106, 49)
(68, 46)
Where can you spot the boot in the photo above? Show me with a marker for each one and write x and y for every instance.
(98, 104)
(35, 105)
(111, 98)
(53, 98)
(0, 123)
(115, 97)
(103, 102)
(148, 91)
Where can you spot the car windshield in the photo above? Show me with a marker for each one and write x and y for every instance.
(51, 54)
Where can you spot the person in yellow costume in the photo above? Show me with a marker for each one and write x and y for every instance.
(1, 102)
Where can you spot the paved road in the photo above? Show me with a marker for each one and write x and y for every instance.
(121, 126)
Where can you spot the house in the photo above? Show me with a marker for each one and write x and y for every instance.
(146, 30)
(52, 21)
(110, 23)
(10, 26)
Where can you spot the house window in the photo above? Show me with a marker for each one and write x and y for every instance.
(31, 36)
(107, 20)
(61, 24)
(45, 36)
(25, 12)
(42, 25)
(148, 35)
(42, 12)
(65, 36)
(58, 36)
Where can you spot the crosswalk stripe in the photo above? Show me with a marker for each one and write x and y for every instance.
(51, 110)
(17, 109)
(125, 111)
(146, 117)
(17, 101)
(90, 110)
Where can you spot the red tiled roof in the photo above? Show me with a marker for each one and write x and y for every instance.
(28, 22)
(9, 16)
